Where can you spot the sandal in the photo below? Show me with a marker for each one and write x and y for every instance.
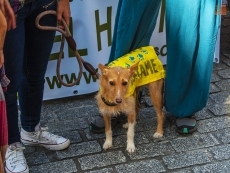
(186, 125)
(98, 126)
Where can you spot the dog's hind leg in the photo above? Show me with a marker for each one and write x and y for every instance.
(130, 133)
(155, 91)
(108, 132)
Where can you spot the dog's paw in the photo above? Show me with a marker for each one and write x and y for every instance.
(157, 135)
(107, 145)
(130, 148)
(126, 125)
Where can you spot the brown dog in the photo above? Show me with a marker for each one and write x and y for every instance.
(112, 100)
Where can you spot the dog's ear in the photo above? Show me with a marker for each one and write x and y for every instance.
(133, 68)
(103, 68)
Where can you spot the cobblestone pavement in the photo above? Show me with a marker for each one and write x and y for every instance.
(205, 151)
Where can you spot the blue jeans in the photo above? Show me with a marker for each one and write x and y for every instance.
(27, 50)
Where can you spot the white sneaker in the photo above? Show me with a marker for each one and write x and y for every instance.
(15, 160)
(43, 138)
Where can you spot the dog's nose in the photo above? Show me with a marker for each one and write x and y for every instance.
(118, 100)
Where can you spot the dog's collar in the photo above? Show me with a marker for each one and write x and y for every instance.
(108, 103)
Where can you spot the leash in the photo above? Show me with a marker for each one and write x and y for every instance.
(66, 35)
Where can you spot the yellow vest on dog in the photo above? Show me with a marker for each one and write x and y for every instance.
(150, 68)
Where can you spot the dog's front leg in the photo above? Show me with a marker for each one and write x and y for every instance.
(108, 132)
(130, 134)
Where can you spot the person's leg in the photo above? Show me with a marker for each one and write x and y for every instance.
(26, 65)
(14, 52)
(134, 24)
(190, 54)
(38, 45)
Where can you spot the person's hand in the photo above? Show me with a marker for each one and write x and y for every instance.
(8, 13)
(63, 11)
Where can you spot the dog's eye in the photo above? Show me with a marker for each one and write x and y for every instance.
(124, 83)
(111, 83)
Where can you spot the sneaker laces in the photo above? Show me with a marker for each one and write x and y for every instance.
(16, 156)
(43, 133)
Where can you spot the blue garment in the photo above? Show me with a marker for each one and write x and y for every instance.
(134, 25)
(27, 50)
(191, 33)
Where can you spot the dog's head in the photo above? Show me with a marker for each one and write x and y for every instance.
(114, 82)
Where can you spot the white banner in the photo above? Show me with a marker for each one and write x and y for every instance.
(92, 28)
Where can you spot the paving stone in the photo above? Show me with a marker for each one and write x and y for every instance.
(210, 125)
(219, 167)
(148, 112)
(223, 84)
(226, 57)
(220, 109)
(221, 152)
(210, 102)
(219, 66)
(105, 170)
(92, 136)
(73, 136)
(80, 101)
(121, 140)
(224, 73)
(194, 142)
(146, 124)
(79, 149)
(67, 125)
(29, 149)
(53, 105)
(36, 158)
(184, 171)
(146, 166)
(223, 135)
(169, 133)
(151, 150)
(226, 60)
(203, 114)
(101, 160)
(82, 112)
(213, 88)
(65, 166)
(47, 117)
(221, 97)
(186, 159)
(117, 130)
(215, 77)
(143, 124)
